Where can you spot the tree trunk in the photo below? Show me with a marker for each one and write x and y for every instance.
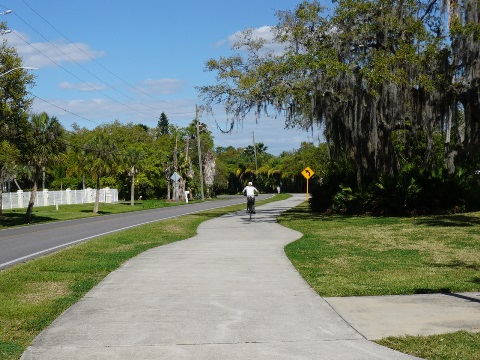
(43, 178)
(132, 189)
(97, 196)
(471, 103)
(1, 193)
(33, 196)
(449, 153)
(16, 183)
(182, 190)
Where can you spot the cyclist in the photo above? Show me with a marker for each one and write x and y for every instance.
(249, 191)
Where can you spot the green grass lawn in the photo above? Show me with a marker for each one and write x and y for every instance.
(355, 256)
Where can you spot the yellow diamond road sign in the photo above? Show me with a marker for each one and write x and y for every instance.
(307, 173)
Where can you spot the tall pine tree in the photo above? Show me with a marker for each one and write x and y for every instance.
(162, 125)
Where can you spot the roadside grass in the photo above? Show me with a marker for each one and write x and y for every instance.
(459, 345)
(35, 293)
(42, 214)
(358, 256)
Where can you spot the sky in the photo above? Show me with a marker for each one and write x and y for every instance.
(101, 61)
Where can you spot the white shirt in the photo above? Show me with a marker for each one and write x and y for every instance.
(250, 190)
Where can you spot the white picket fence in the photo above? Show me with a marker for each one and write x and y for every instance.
(20, 199)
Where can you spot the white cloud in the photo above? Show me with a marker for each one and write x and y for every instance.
(43, 54)
(263, 32)
(161, 86)
(220, 43)
(93, 112)
(86, 87)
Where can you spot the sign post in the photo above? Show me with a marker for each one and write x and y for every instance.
(307, 174)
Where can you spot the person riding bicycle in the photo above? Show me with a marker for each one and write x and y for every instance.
(249, 191)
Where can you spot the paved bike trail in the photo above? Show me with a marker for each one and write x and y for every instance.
(228, 293)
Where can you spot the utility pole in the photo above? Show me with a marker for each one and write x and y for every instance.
(175, 159)
(255, 153)
(200, 165)
(175, 168)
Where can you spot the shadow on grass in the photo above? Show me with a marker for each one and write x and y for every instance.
(456, 220)
(450, 221)
(305, 214)
(12, 219)
(457, 264)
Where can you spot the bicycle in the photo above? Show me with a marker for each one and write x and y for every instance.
(251, 205)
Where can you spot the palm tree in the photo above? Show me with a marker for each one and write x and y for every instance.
(134, 158)
(209, 171)
(245, 174)
(46, 146)
(101, 155)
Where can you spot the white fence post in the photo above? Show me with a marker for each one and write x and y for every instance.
(88, 195)
(20, 198)
(69, 196)
(45, 197)
(108, 196)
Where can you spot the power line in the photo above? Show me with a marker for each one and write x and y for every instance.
(76, 77)
(93, 59)
(73, 60)
(67, 111)
(89, 72)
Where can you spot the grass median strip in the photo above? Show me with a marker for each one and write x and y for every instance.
(358, 256)
(35, 293)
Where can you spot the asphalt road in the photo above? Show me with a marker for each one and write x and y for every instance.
(21, 244)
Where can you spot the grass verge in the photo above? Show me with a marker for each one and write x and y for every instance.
(459, 345)
(355, 256)
(42, 214)
(33, 294)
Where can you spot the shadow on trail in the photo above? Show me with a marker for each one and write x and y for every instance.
(100, 212)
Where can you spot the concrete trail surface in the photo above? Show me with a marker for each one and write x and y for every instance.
(228, 293)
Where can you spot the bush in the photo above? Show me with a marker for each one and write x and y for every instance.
(324, 194)
(415, 191)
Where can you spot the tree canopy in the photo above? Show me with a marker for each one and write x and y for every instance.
(14, 106)
(377, 74)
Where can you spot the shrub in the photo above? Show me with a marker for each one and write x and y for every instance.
(415, 191)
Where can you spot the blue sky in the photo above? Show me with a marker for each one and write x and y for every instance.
(100, 61)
